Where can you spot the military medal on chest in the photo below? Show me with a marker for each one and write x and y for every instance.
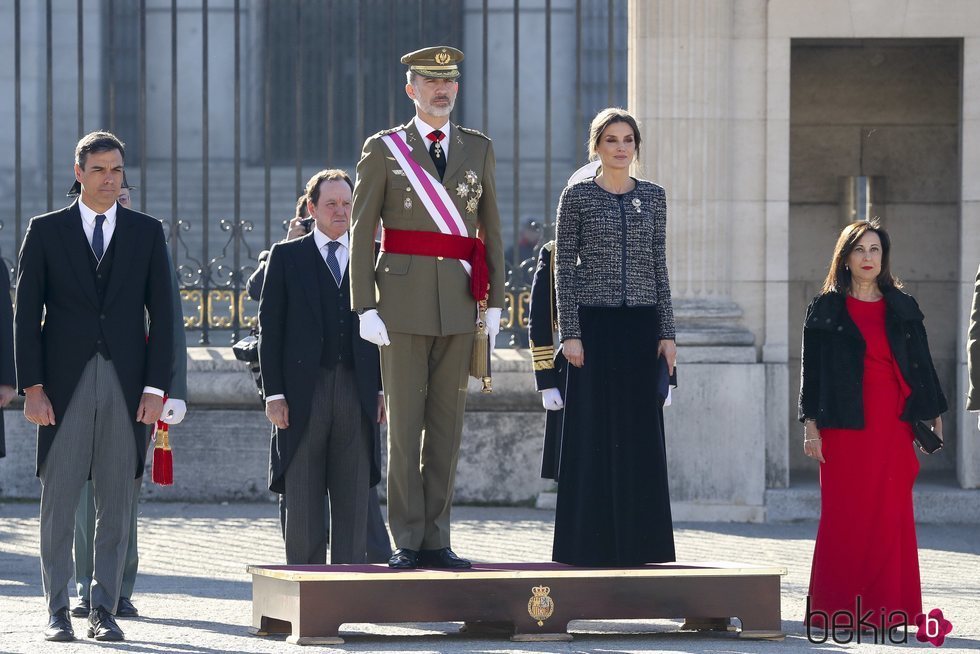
(470, 190)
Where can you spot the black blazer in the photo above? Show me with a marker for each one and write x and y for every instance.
(290, 346)
(7, 374)
(832, 369)
(55, 282)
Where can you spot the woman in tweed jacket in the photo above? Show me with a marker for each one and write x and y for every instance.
(616, 325)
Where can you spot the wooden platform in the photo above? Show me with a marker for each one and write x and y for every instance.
(527, 601)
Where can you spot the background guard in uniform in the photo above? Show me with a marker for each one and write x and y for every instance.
(550, 366)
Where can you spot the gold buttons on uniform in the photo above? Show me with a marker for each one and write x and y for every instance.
(387, 269)
(439, 258)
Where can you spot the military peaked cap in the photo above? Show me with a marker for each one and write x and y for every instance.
(438, 61)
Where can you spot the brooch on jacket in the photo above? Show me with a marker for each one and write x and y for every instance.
(637, 204)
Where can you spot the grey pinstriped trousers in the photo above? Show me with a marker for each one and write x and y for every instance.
(333, 453)
(95, 434)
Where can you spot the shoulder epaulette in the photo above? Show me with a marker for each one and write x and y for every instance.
(549, 246)
(389, 131)
(474, 132)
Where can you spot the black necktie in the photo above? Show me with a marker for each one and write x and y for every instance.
(98, 239)
(436, 152)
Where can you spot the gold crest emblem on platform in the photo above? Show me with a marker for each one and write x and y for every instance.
(540, 606)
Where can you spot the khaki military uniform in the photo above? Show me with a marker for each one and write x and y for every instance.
(430, 315)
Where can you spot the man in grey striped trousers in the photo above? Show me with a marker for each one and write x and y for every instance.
(321, 382)
(92, 375)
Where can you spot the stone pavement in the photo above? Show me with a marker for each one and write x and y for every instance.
(195, 596)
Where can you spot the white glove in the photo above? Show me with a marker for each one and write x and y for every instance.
(493, 325)
(174, 411)
(373, 328)
(551, 399)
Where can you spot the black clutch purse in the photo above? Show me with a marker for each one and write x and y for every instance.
(925, 437)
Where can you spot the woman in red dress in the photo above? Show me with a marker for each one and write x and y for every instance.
(866, 373)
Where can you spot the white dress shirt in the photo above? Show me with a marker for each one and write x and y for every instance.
(108, 228)
(425, 129)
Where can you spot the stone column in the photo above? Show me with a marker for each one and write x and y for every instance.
(697, 86)
(680, 89)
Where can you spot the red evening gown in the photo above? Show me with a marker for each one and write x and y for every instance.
(866, 544)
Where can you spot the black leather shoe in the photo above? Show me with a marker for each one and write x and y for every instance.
(125, 609)
(81, 611)
(59, 627)
(102, 626)
(404, 559)
(442, 558)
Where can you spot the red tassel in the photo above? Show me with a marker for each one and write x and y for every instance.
(163, 457)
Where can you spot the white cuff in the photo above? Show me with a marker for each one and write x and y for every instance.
(278, 396)
(153, 391)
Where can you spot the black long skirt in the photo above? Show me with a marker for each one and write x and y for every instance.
(613, 502)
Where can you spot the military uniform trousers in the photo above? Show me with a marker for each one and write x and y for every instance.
(424, 379)
(95, 436)
(333, 453)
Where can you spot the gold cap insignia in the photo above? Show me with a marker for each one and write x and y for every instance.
(437, 61)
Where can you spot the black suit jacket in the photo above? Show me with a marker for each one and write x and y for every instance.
(55, 282)
(7, 374)
(290, 346)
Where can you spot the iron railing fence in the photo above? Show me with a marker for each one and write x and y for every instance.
(227, 106)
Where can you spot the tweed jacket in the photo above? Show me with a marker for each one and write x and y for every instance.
(832, 371)
(611, 251)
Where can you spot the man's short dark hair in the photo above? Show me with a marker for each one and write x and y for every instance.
(95, 142)
(328, 175)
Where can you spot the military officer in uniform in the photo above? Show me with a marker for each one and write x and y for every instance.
(430, 184)
(550, 366)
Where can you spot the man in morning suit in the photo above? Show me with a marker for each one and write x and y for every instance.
(174, 410)
(378, 543)
(321, 383)
(92, 375)
(430, 184)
